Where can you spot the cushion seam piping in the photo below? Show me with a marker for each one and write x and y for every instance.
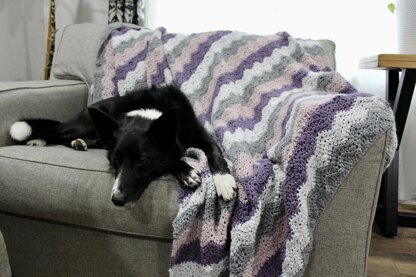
(57, 165)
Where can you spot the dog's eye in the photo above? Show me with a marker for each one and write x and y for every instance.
(141, 161)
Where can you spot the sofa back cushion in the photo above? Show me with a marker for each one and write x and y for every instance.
(76, 52)
(77, 47)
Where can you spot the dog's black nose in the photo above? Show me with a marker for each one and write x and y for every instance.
(118, 201)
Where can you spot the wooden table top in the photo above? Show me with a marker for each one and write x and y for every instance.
(389, 61)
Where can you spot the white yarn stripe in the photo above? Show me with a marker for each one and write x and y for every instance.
(185, 268)
(131, 34)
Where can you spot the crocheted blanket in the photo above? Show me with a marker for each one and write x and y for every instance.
(290, 127)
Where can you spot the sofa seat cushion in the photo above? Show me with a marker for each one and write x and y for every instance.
(60, 184)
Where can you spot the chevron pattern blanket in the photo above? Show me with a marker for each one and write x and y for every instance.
(290, 126)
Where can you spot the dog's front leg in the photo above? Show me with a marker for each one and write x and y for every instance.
(223, 180)
(186, 175)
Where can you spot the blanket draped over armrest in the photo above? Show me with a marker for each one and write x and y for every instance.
(291, 129)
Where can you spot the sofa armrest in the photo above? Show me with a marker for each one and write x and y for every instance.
(49, 99)
(4, 258)
(343, 234)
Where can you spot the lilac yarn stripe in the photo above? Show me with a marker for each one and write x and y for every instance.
(320, 120)
(249, 123)
(122, 71)
(197, 57)
(247, 63)
(212, 253)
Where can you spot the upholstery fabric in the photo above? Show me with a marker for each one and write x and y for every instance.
(4, 259)
(58, 99)
(64, 185)
(48, 249)
(76, 50)
(350, 212)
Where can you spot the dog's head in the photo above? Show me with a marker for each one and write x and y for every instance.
(141, 148)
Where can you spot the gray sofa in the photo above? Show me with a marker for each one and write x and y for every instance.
(55, 210)
(4, 259)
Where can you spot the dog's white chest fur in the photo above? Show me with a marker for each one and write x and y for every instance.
(151, 114)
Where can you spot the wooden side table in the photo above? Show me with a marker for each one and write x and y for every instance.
(399, 92)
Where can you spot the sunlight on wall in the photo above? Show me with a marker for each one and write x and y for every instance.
(188, 16)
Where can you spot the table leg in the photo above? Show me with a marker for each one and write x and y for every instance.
(399, 94)
(388, 200)
(404, 99)
(392, 83)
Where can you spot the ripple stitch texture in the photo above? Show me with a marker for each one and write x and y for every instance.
(290, 126)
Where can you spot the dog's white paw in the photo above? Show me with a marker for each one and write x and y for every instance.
(192, 179)
(79, 144)
(225, 185)
(36, 142)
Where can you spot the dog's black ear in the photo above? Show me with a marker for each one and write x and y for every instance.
(165, 128)
(104, 124)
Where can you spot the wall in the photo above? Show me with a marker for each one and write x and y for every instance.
(80, 11)
(23, 26)
(22, 44)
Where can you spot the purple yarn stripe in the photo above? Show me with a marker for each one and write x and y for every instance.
(256, 56)
(249, 123)
(253, 186)
(320, 120)
(120, 31)
(158, 78)
(273, 265)
(197, 57)
(349, 89)
(167, 37)
(183, 192)
(122, 71)
(212, 253)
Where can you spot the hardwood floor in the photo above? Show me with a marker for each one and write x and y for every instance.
(391, 257)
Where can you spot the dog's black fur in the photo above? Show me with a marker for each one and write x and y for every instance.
(140, 148)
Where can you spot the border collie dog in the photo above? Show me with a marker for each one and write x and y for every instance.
(146, 134)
